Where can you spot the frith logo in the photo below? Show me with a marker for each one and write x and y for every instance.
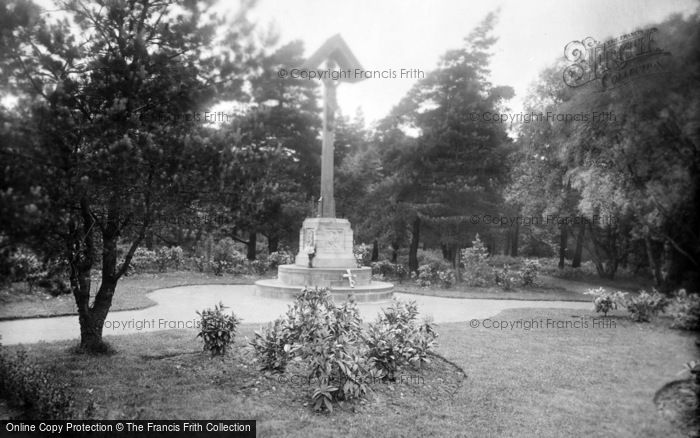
(613, 62)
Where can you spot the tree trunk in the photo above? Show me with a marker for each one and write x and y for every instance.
(273, 243)
(458, 268)
(514, 240)
(563, 237)
(445, 251)
(375, 251)
(578, 251)
(653, 263)
(252, 244)
(394, 254)
(413, 249)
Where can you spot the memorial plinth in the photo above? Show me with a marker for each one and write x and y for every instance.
(325, 257)
(329, 241)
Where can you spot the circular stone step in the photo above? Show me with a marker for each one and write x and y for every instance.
(374, 291)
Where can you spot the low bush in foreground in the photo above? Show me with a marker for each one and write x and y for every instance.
(38, 392)
(217, 329)
(685, 309)
(645, 306)
(327, 340)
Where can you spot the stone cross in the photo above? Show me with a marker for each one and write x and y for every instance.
(337, 58)
(350, 277)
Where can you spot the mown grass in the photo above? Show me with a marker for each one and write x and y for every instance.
(540, 382)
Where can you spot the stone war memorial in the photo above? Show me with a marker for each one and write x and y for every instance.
(325, 257)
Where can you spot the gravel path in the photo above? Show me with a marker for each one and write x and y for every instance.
(176, 310)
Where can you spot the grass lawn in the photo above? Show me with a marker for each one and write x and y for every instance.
(130, 294)
(539, 382)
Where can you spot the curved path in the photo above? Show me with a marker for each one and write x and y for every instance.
(176, 308)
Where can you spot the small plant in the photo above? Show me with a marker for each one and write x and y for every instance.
(604, 301)
(645, 306)
(363, 254)
(477, 272)
(384, 269)
(529, 272)
(446, 278)
(281, 257)
(395, 339)
(685, 309)
(505, 279)
(169, 258)
(272, 347)
(40, 393)
(217, 329)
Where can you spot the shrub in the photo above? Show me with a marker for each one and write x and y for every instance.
(281, 257)
(529, 272)
(395, 339)
(40, 393)
(226, 257)
(604, 301)
(272, 347)
(144, 260)
(435, 274)
(363, 254)
(169, 258)
(504, 278)
(477, 272)
(217, 329)
(496, 260)
(24, 265)
(685, 310)
(258, 267)
(645, 306)
(431, 256)
(324, 338)
(384, 269)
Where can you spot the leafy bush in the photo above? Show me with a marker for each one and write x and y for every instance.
(384, 269)
(477, 272)
(504, 278)
(395, 339)
(529, 272)
(169, 258)
(685, 309)
(432, 256)
(324, 338)
(329, 342)
(217, 329)
(645, 306)
(40, 393)
(272, 347)
(144, 260)
(258, 267)
(363, 254)
(604, 301)
(226, 257)
(281, 257)
(431, 274)
(497, 260)
(24, 265)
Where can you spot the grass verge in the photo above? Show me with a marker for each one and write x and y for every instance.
(546, 381)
